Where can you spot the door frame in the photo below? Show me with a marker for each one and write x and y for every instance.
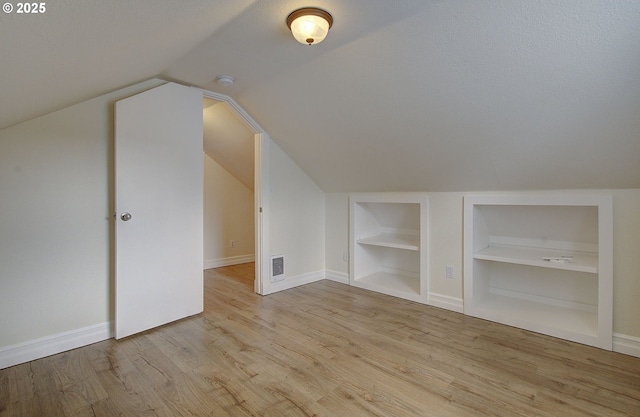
(260, 187)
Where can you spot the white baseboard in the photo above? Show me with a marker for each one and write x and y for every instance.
(336, 276)
(447, 302)
(50, 345)
(293, 281)
(231, 260)
(629, 345)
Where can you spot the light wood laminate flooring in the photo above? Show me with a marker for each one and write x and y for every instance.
(324, 349)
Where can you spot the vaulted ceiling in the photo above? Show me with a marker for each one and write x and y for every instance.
(228, 141)
(402, 95)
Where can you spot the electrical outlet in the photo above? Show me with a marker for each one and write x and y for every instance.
(345, 256)
(232, 244)
(450, 272)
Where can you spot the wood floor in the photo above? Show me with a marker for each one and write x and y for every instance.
(324, 349)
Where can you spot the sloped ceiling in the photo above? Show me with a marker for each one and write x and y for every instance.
(228, 141)
(403, 95)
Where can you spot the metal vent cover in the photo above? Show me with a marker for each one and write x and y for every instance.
(277, 268)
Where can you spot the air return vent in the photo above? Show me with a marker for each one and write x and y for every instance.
(277, 268)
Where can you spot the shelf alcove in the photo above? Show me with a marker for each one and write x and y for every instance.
(542, 263)
(388, 243)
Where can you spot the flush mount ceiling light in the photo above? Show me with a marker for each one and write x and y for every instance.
(309, 25)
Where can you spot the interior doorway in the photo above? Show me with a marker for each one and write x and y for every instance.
(229, 230)
(159, 210)
(233, 203)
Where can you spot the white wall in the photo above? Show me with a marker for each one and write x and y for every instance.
(337, 236)
(445, 243)
(55, 220)
(445, 248)
(228, 215)
(626, 262)
(296, 221)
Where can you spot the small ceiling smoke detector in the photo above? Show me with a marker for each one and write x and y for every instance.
(224, 80)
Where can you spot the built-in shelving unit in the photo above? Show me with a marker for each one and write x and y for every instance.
(388, 244)
(542, 263)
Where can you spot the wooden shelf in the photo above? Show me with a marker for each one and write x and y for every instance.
(581, 262)
(389, 240)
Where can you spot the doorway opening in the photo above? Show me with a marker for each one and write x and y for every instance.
(229, 229)
(232, 145)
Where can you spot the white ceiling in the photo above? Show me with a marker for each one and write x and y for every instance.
(228, 141)
(402, 95)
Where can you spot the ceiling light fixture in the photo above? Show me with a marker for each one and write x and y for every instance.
(309, 25)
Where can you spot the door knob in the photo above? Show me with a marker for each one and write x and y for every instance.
(125, 217)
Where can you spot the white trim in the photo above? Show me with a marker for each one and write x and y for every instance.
(260, 191)
(252, 124)
(341, 277)
(51, 345)
(447, 302)
(231, 260)
(629, 345)
(261, 209)
(295, 281)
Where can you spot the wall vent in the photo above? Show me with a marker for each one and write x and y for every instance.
(277, 268)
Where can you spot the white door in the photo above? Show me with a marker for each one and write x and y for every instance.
(158, 201)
